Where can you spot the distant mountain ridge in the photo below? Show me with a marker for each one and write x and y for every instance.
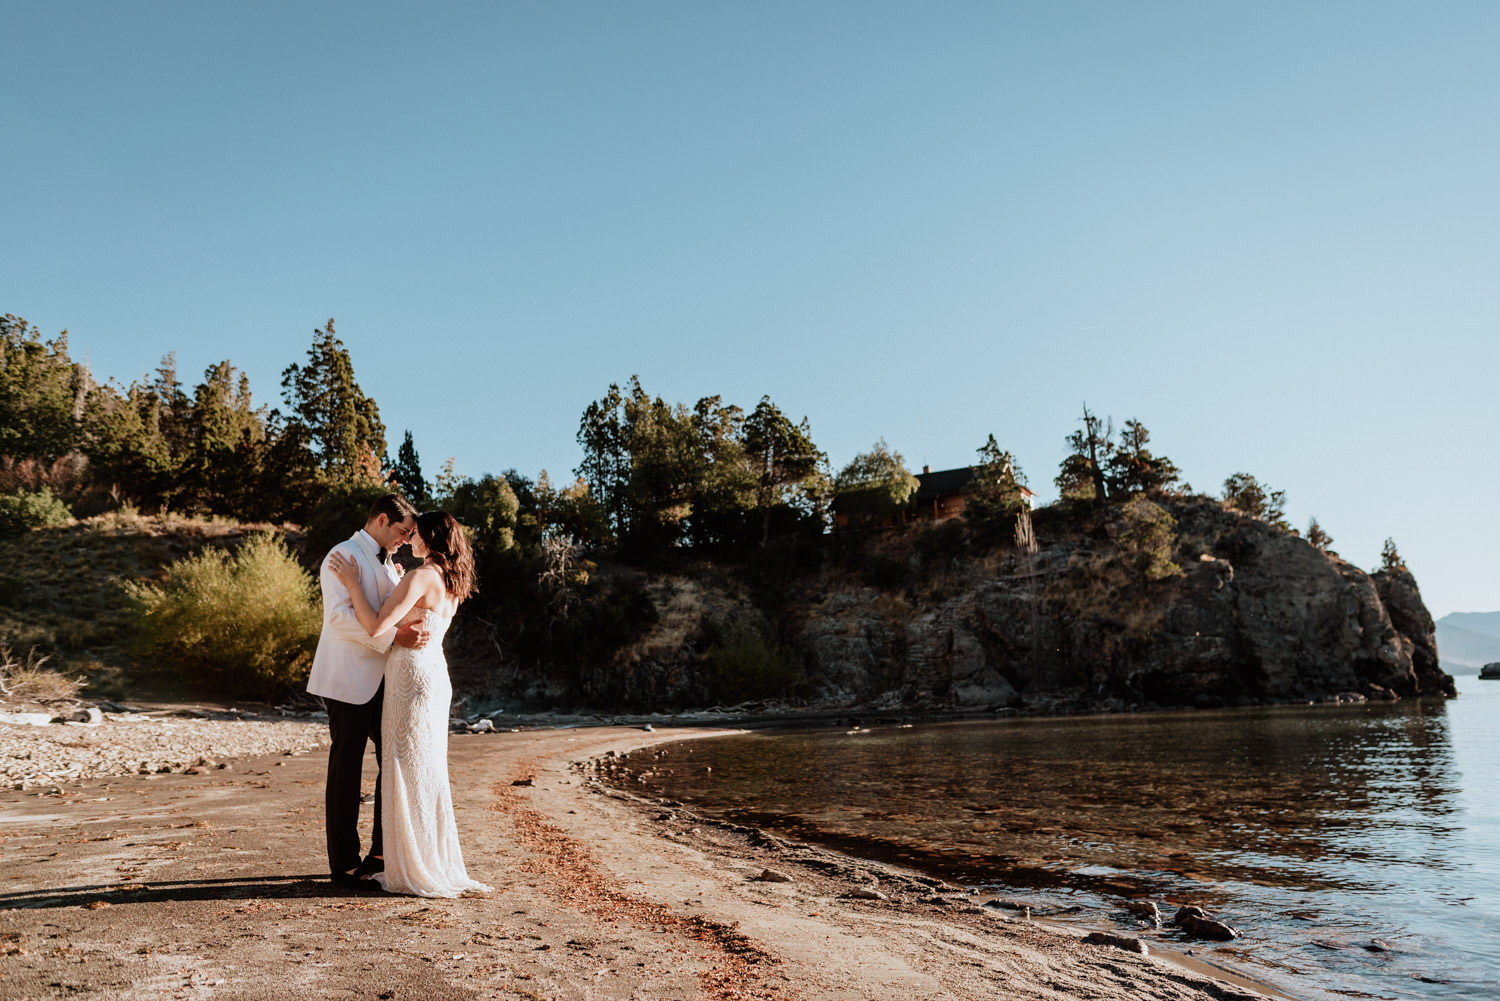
(1469, 639)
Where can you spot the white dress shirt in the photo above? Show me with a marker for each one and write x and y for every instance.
(350, 662)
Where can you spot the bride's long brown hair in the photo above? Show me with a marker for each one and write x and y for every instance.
(448, 549)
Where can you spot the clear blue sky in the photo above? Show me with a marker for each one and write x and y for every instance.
(1267, 230)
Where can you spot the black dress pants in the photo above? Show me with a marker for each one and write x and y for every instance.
(349, 727)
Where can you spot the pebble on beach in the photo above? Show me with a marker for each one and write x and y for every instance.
(96, 742)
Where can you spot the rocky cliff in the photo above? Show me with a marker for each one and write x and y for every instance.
(1249, 614)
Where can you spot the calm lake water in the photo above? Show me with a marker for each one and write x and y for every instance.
(1356, 847)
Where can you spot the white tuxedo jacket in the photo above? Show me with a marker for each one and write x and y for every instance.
(350, 662)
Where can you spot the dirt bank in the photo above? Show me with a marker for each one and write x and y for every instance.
(211, 886)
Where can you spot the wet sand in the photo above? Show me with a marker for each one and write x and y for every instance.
(213, 886)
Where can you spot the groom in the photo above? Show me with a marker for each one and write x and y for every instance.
(348, 674)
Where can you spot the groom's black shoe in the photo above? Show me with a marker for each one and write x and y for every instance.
(353, 881)
(370, 866)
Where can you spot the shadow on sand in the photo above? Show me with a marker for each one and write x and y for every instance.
(236, 888)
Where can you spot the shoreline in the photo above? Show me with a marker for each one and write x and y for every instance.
(211, 885)
(778, 842)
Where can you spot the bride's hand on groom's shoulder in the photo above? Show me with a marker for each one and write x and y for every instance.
(345, 569)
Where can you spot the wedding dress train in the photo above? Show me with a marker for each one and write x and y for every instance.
(422, 854)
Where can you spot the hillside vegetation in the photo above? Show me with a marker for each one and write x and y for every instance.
(703, 554)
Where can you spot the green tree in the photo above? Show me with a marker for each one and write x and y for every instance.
(406, 473)
(173, 409)
(329, 415)
(874, 487)
(130, 456)
(487, 507)
(292, 480)
(664, 470)
(995, 496)
(606, 456)
(723, 489)
(42, 393)
(1131, 468)
(1319, 539)
(1075, 479)
(1390, 559)
(225, 437)
(1091, 447)
(570, 513)
(1244, 492)
(781, 457)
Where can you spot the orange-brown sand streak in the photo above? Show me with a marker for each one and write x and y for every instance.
(571, 875)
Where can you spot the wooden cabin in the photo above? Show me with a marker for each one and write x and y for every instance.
(939, 496)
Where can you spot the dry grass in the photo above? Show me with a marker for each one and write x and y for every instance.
(1099, 587)
(29, 680)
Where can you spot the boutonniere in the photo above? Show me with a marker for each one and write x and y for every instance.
(400, 570)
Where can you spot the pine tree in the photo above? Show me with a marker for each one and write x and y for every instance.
(1091, 446)
(406, 472)
(225, 436)
(1133, 469)
(39, 393)
(606, 458)
(1244, 492)
(329, 414)
(781, 456)
(995, 497)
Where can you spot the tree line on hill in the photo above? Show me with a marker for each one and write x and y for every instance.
(656, 480)
(654, 476)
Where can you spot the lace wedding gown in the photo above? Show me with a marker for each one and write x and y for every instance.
(422, 855)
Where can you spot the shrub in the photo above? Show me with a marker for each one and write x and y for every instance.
(1147, 535)
(937, 542)
(247, 620)
(24, 510)
(742, 662)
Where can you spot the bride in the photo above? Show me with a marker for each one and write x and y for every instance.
(422, 855)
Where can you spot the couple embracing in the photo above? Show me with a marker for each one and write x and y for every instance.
(380, 672)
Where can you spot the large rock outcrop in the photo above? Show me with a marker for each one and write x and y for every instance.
(1254, 615)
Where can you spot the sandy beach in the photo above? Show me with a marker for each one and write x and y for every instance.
(212, 885)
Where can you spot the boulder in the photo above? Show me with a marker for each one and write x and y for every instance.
(1127, 942)
(1196, 924)
(1490, 672)
(1208, 928)
(87, 714)
(865, 893)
